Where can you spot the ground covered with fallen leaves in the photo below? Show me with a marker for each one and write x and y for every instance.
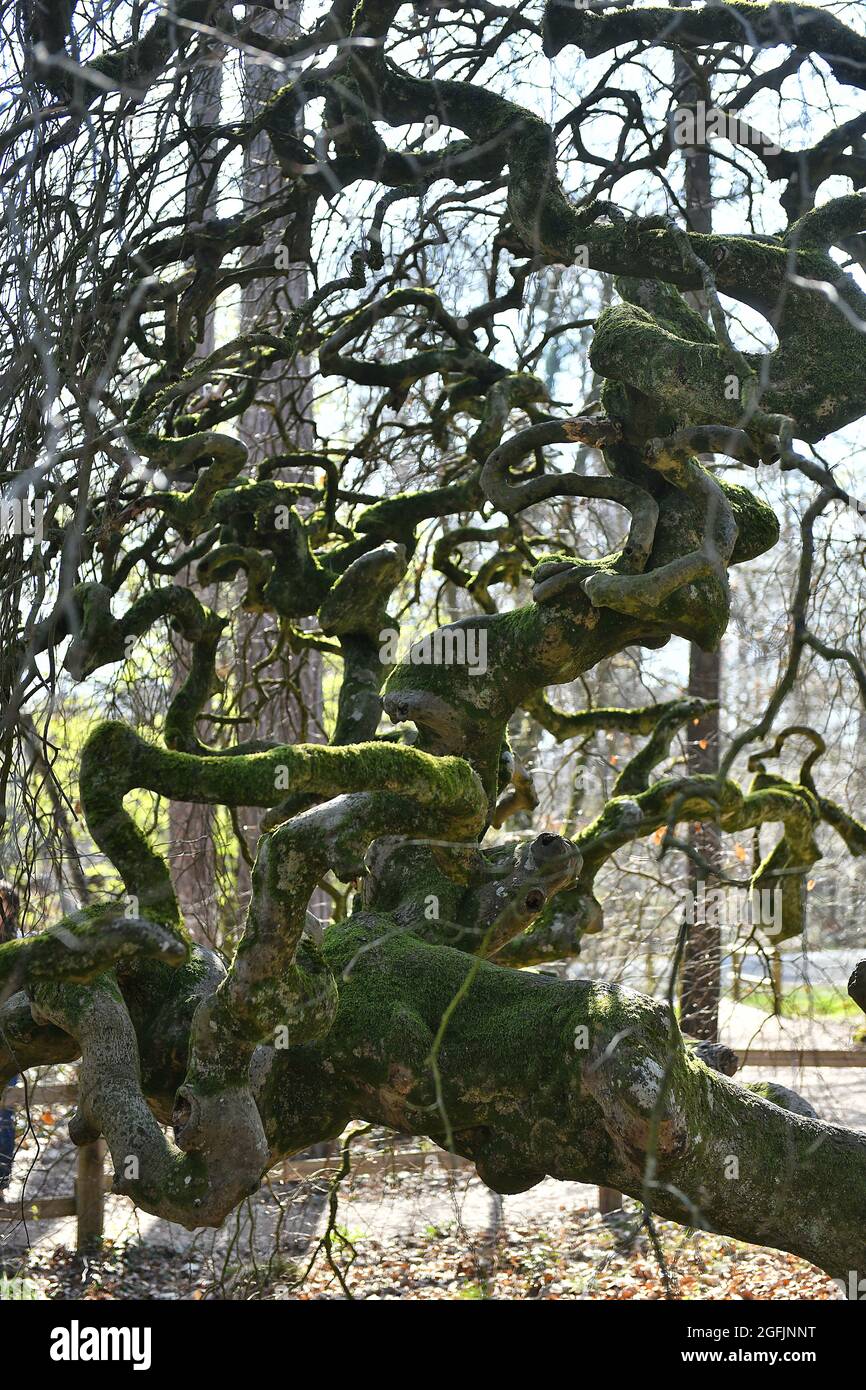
(574, 1253)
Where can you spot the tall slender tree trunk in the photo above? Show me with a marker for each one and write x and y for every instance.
(295, 713)
(294, 710)
(191, 828)
(700, 980)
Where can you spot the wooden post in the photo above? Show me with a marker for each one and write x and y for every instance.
(776, 977)
(737, 975)
(90, 1194)
(609, 1200)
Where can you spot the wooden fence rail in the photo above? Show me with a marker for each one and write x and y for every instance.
(801, 1057)
(87, 1202)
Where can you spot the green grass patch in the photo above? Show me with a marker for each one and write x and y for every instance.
(806, 1001)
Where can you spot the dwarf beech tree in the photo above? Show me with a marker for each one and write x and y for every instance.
(423, 188)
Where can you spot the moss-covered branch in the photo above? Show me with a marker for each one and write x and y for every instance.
(608, 1094)
(83, 946)
(117, 761)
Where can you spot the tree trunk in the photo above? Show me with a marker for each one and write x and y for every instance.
(700, 979)
(192, 850)
(295, 711)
